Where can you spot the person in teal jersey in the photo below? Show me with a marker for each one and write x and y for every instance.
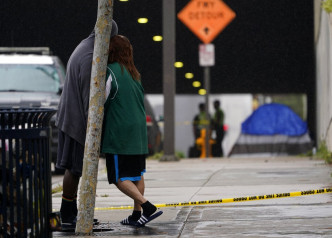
(124, 139)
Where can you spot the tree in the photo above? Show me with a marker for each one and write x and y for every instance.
(88, 186)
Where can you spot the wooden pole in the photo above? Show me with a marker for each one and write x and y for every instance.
(88, 186)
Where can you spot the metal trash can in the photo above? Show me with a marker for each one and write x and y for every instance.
(25, 172)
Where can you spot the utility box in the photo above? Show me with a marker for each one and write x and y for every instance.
(25, 172)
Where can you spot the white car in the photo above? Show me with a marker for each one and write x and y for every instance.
(31, 77)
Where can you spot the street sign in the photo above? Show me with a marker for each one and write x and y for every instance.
(206, 54)
(206, 18)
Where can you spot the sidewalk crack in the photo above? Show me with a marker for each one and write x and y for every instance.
(208, 180)
(185, 222)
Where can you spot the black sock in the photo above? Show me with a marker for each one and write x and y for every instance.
(74, 206)
(148, 208)
(135, 215)
(67, 215)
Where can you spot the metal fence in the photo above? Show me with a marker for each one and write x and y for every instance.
(25, 186)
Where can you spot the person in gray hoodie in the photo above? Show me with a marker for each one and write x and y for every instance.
(71, 121)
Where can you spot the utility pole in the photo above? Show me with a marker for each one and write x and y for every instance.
(169, 79)
(95, 118)
(207, 113)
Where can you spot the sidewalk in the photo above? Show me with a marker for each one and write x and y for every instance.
(211, 179)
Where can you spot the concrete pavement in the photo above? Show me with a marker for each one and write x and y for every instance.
(209, 179)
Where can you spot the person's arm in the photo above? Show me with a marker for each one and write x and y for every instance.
(85, 77)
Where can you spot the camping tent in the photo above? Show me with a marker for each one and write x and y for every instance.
(272, 130)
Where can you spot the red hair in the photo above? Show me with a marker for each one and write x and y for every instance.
(121, 51)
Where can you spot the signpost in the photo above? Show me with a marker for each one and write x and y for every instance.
(206, 55)
(206, 19)
(206, 59)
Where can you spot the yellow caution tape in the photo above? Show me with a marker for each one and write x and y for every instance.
(231, 200)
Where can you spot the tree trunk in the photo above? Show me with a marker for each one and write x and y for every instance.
(88, 186)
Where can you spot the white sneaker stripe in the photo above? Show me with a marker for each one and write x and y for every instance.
(142, 220)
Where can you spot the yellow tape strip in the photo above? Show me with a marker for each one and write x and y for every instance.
(230, 200)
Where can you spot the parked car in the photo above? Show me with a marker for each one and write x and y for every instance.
(31, 77)
(153, 130)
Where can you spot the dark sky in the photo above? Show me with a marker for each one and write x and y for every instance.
(267, 48)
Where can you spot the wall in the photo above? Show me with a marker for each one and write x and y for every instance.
(323, 40)
(237, 107)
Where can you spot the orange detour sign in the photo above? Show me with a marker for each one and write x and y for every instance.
(206, 18)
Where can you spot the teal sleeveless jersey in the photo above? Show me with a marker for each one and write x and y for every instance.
(124, 129)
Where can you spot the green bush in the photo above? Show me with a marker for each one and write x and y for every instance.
(324, 153)
(157, 156)
(179, 154)
(57, 189)
(327, 5)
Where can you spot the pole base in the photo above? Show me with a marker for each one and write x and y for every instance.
(165, 158)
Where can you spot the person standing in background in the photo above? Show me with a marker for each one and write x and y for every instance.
(200, 121)
(218, 126)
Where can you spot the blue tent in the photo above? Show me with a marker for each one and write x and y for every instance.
(274, 119)
(272, 130)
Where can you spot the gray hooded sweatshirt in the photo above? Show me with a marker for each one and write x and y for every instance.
(73, 108)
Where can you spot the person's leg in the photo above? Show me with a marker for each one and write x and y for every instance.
(136, 214)
(135, 190)
(130, 189)
(74, 207)
(141, 187)
(129, 166)
(70, 156)
(218, 142)
(149, 210)
(70, 186)
(222, 133)
(70, 183)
